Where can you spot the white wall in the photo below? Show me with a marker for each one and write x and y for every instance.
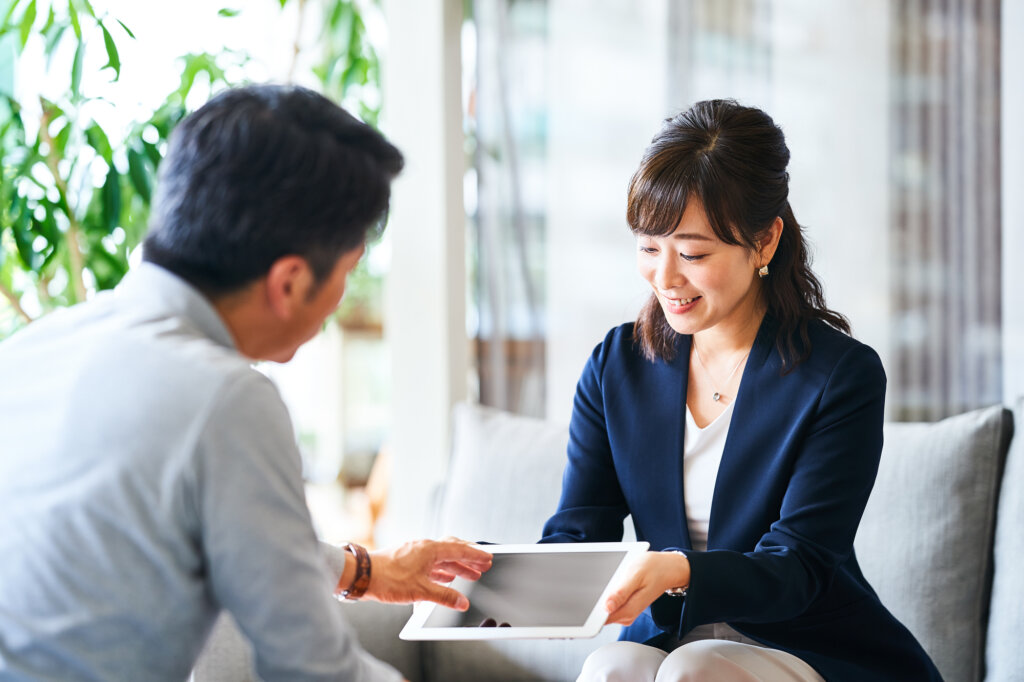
(830, 94)
(608, 74)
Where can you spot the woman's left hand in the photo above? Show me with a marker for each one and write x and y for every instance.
(651, 575)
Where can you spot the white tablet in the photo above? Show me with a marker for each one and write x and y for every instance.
(531, 591)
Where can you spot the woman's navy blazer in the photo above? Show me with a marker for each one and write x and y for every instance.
(799, 463)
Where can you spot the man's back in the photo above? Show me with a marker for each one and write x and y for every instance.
(101, 406)
(144, 465)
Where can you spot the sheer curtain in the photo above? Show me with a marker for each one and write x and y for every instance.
(892, 112)
(945, 208)
(507, 137)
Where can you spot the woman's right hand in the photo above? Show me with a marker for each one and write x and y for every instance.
(651, 575)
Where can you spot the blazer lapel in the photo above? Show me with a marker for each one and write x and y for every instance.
(681, 363)
(747, 450)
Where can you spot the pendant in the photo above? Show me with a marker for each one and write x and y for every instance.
(717, 396)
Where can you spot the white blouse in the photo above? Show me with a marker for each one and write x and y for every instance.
(702, 455)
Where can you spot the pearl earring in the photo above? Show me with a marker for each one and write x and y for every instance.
(762, 272)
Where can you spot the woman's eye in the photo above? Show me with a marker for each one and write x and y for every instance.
(691, 258)
(648, 249)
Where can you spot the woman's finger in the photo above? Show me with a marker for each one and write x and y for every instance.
(622, 594)
(630, 609)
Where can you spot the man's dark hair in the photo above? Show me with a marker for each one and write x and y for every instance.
(263, 172)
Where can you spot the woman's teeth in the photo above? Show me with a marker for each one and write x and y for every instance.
(682, 301)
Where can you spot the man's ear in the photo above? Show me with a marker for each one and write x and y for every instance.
(288, 283)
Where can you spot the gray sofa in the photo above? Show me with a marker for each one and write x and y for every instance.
(942, 541)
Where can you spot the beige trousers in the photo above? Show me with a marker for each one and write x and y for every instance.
(710, 653)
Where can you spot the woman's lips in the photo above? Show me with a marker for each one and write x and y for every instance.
(679, 306)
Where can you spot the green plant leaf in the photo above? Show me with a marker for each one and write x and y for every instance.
(13, 125)
(48, 227)
(88, 7)
(10, 12)
(225, 12)
(152, 153)
(99, 141)
(60, 140)
(50, 17)
(51, 255)
(108, 268)
(340, 20)
(52, 39)
(31, 158)
(52, 108)
(111, 200)
(21, 218)
(113, 59)
(27, 19)
(355, 74)
(41, 230)
(126, 29)
(138, 172)
(369, 115)
(75, 24)
(76, 71)
(196, 64)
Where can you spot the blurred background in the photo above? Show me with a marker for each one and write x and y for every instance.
(507, 257)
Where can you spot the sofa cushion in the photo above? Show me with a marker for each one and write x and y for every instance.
(925, 540)
(1005, 654)
(493, 451)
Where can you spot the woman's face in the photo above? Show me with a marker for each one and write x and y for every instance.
(700, 281)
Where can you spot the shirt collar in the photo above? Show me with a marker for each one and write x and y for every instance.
(161, 291)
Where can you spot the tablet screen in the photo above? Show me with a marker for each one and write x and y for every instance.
(536, 590)
(532, 590)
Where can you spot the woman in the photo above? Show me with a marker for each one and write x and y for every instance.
(740, 426)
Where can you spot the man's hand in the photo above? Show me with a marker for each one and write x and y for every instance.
(414, 571)
(651, 575)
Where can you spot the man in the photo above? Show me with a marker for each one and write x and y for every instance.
(148, 475)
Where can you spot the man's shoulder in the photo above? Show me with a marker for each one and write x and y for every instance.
(141, 362)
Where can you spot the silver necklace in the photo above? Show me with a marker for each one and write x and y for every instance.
(717, 395)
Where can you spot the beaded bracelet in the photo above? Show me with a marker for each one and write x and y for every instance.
(361, 581)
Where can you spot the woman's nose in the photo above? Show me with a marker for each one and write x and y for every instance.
(667, 274)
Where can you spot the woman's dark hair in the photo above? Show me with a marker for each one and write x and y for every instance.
(263, 172)
(733, 160)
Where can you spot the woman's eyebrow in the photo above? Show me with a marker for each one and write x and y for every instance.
(692, 235)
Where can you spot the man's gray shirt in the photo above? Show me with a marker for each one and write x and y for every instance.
(149, 478)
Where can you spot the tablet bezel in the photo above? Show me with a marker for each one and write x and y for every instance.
(414, 629)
